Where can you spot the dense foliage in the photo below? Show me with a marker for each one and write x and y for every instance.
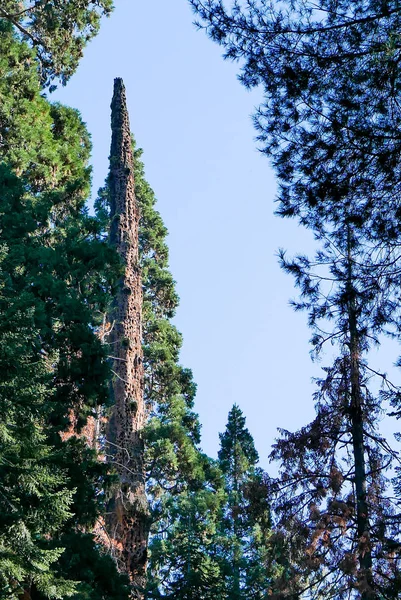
(56, 278)
(329, 525)
(330, 116)
(57, 30)
(329, 120)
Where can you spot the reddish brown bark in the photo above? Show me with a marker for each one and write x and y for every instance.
(127, 519)
(89, 432)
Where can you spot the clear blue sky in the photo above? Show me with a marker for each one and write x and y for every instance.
(216, 195)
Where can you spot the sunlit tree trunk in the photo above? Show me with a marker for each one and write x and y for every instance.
(127, 519)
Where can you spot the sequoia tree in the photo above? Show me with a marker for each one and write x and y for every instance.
(127, 520)
(180, 479)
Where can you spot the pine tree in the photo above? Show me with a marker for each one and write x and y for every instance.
(330, 77)
(335, 490)
(330, 122)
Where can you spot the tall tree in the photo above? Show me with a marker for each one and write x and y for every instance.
(128, 519)
(330, 121)
(56, 278)
(335, 491)
(237, 459)
(179, 477)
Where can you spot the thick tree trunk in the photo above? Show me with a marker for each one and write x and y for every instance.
(357, 432)
(127, 520)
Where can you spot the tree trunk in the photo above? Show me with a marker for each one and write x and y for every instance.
(128, 518)
(357, 423)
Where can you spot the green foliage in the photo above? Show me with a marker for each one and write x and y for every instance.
(246, 553)
(183, 485)
(330, 121)
(237, 454)
(34, 497)
(55, 284)
(330, 116)
(57, 30)
(46, 145)
(184, 561)
(93, 569)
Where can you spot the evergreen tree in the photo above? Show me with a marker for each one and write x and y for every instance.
(56, 277)
(127, 516)
(34, 498)
(330, 116)
(57, 30)
(330, 122)
(184, 559)
(237, 459)
(335, 492)
(180, 479)
(245, 529)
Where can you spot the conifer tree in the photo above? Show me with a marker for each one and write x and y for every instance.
(237, 459)
(331, 81)
(34, 498)
(184, 556)
(247, 556)
(56, 278)
(127, 521)
(335, 490)
(180, 479)
(57, 30)
(330, 122)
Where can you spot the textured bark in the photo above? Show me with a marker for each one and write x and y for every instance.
(90, 432)
(127, 519)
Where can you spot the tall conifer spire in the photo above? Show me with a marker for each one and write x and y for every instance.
(127, 523)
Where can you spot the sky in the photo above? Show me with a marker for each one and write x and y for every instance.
(216, 195)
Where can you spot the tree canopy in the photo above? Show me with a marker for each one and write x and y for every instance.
(57, 30)
(329, 121)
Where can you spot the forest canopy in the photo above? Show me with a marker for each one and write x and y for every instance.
(105, 490)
